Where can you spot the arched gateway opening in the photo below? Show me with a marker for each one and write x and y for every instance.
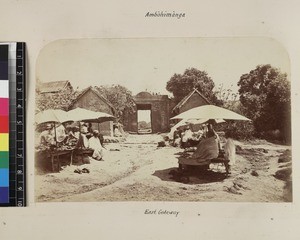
(144, 119)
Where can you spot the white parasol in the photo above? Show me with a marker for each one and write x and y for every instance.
(210, 112)
(51, 116)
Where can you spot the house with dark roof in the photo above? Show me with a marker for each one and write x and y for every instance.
(192, 100)
(54, 87)
(91, 99)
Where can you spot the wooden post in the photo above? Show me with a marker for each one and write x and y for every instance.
(55, 137)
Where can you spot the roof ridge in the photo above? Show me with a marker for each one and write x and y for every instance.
(97, 93)
(53, 86)
(187, 97)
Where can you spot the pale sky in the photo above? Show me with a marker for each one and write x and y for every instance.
(144, 115)
(141, 64)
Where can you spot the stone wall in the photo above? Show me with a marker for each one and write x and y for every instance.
(160, 112)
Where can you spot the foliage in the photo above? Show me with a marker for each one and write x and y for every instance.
(120, 97)
(182, 84)
(265, 96)
(59, 100)
(239, 130)
(225, 95)
(144, 125)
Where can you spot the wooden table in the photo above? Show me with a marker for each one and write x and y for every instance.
(55, 154)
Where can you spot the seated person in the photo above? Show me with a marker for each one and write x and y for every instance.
(186, 137)
(117, 132)
(47, 137)
(206, 150)
(94, 143)
(72, 135)
(76, 132)
(177, 141)
(200, 133)
(175, 133)
(212, 133)
(196, 137)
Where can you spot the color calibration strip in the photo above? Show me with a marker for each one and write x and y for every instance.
(4, 125)
(12, 124)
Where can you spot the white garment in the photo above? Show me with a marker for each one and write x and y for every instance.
(85, 141)
(60, 133)
(77, 135)
(47, 137)
(229, 149)
(117, 133)
(94, 143)
(84, 129)
(188, 134)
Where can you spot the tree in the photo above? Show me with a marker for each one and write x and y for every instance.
(182, 84)
(265, 96)
(120, 97)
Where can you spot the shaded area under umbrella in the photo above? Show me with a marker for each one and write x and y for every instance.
(186, 122)
(51, 116)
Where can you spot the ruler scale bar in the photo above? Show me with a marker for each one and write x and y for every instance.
(21, 194)
(17, 165)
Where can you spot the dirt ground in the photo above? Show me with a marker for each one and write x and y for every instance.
(137, 170)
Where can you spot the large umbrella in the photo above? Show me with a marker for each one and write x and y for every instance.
(210, 112)
(51, 116)
(81, 114)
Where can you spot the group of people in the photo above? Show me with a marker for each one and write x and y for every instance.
(208, 146)
(185, 138)
(83, 137)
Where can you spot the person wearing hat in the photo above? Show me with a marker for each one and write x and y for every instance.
(94, 143)
(47, 136)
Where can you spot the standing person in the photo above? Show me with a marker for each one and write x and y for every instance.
(84, 128)
(90, 128)
(83, 142)
(94, 143)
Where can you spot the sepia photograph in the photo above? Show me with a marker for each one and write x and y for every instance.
(163, 119)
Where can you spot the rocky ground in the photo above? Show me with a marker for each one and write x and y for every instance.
(136, 169)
